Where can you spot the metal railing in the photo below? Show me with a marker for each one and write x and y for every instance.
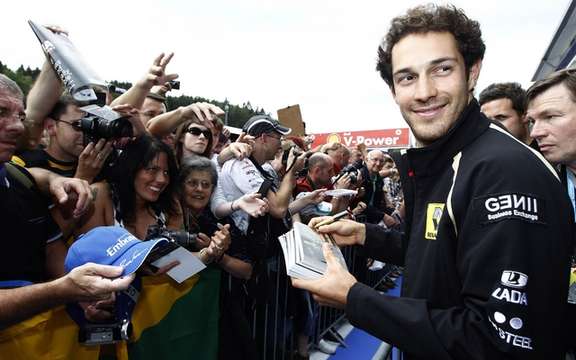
(274, 320)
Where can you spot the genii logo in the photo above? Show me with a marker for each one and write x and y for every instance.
(514, 279)
(498, 207)
(433, 216)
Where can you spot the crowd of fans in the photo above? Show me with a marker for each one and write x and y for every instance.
(181, 172)
(182, 176)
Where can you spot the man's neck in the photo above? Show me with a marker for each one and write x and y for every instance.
(260, 157)
(57, 153)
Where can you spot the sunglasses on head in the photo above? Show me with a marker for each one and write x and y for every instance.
(197, 131)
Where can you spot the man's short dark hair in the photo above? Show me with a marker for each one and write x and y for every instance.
(566, 77)
(61, 106)
(510, 90)
(432, 18)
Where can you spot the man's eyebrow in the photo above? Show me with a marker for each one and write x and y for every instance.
(431, 63)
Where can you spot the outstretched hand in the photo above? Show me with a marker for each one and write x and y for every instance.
(333, 287)
(95, 282)
(157, 73)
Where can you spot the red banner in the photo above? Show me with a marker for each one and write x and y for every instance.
(386, 138)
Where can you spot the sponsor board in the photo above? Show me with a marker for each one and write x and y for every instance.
(386, 138)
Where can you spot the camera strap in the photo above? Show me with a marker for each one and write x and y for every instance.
(120, 326)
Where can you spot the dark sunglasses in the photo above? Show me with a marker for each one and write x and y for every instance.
(197, 131)
(74, 123)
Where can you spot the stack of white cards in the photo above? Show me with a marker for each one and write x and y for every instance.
(302, 248)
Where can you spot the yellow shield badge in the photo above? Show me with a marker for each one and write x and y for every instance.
(433, 215)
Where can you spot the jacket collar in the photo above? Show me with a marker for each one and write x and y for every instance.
(434, 158)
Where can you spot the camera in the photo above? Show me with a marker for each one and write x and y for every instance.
(352, 170)
(104, 123)
(103, 334)
(174, 84)
(180, 237)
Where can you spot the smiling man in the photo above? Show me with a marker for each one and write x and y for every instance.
(485, 215)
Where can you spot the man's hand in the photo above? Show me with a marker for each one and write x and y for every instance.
(345, 232)
(157, 73)
(99, 311)
(204, 112)
(252, 204)
(92, 158)
(359, 209)
(246, 139)
(296, 160)
(133, 116)
(240, 150)
(344, 182)
(95, 282)
(75, 191)
(202, 241)
(315, 197)
(332, 288)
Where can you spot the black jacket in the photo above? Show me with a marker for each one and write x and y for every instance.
(486, 252)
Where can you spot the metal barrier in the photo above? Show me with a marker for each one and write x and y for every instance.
(277, 320)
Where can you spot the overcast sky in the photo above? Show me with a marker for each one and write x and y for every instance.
(319, 54)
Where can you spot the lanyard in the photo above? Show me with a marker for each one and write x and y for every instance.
(570, 182)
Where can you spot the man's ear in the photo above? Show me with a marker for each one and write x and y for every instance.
(474, 74)
(50, 126)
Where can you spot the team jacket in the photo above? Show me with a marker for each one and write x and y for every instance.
(486, 252)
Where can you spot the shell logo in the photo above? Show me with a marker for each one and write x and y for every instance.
(333, 138)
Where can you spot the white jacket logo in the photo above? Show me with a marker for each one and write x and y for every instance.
(513, 279)
(512, 205)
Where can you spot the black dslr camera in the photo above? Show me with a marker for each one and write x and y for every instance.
(104, 123)
(180, 237)
(174, 85)
(352, 170)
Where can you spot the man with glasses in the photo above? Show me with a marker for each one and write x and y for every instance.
(66, 146)
(373, 184)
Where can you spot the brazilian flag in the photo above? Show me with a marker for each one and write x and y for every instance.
(177, 321)
(170, 321)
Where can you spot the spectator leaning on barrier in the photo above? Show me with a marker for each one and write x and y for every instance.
(506, 104)
(29, 233)
(488, 239)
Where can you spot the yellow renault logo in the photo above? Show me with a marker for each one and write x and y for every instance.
(433, 215)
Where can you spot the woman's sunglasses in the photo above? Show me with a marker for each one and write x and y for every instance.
(197, 131)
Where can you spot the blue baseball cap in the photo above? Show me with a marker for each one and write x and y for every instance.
(110, 245)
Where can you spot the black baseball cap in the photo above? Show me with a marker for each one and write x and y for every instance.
(261, 124)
